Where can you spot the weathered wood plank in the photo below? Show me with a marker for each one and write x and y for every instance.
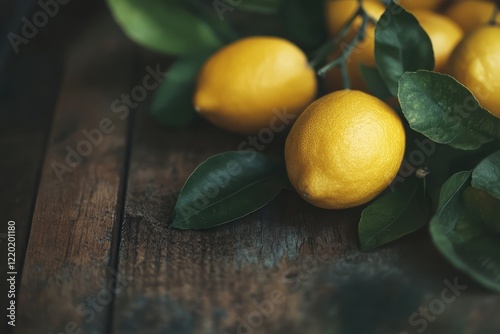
(23, 135)
(67, 281)
(24, 128)
(29, 83)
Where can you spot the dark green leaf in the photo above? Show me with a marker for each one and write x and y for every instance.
(449, 199)
(444, 161)
(173, 101)
(486, 175)
(164, 25)
(462, 238)
(401, 45)
(442, 109)
(398, 213)
(374, 82)
(228, 186)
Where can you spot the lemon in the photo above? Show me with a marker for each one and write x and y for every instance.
(444, 33)
(344, 149)
(476, 64)
(420, 4)
(471, 13)
(242, 85)
(338, 13)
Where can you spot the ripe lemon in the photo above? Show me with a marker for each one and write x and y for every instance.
(242, 85)
(470, 14)
(338, 13)
(476, 64)
(444, 33)
(344, 149)
(420, 4)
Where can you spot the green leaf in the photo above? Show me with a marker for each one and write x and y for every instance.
(462, 238)
(173, 101)
(374, 82)
(442, 109)
(401, 45)
(444, 161)
(398, 213)
(163, 25)
(486, 175)
(449, 199)
(228, 186)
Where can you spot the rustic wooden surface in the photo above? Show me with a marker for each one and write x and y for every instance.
(29, 84)
(101, 259)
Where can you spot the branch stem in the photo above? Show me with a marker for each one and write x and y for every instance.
(359, 37)
(329, 46)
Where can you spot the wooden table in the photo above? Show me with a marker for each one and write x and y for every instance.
(94, 252)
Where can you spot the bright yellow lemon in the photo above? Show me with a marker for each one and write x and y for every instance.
(344, 149)
(471, 13)
(242, 85)
(444, 33)
(476, 63)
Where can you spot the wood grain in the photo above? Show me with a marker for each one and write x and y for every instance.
(70, 249)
